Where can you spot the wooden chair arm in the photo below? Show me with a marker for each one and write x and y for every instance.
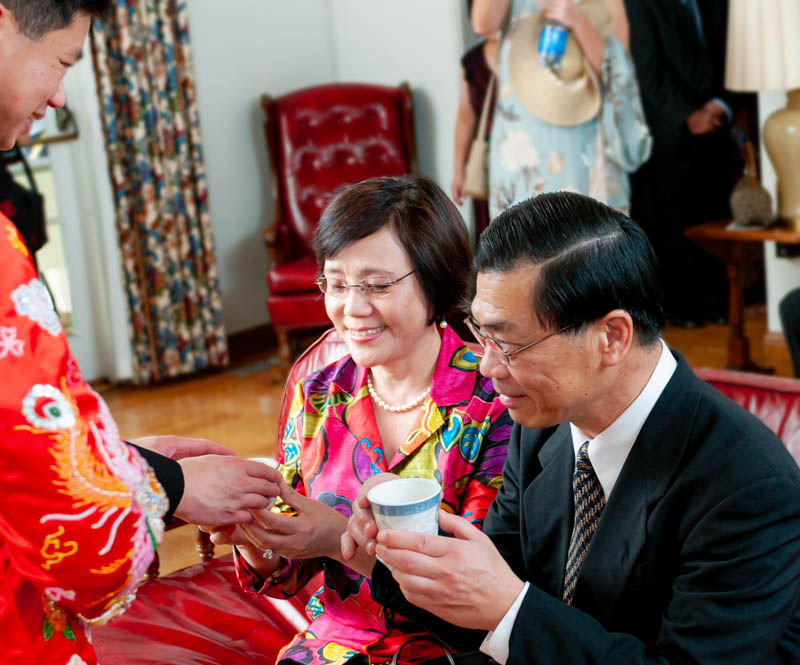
(273, 241)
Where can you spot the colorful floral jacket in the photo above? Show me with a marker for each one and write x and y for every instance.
(81, 511)
(331, 445)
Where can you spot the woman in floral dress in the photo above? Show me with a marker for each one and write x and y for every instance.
(408, 399)
(529, 156)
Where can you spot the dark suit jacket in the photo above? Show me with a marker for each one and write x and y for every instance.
(696, 558)
(678, 72)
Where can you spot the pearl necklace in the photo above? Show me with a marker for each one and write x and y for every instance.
(391, 407)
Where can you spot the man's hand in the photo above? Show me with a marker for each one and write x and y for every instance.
(706, 119)
(223, 489)
(463, 580)
(361, 527)
(716, 111)
(178, 447)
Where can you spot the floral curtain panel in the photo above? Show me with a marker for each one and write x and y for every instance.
(143, 64)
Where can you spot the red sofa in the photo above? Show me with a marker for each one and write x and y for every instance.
(200, 616)
(774, 400)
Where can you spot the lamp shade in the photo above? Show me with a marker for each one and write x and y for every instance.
(763, 49)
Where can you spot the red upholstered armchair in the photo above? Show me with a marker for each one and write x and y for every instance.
(320, 140)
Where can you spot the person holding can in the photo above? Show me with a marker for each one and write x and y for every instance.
(569, 121)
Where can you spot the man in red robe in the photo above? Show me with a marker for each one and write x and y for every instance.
(82, 511)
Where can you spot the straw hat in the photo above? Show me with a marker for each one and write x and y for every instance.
(566, 96)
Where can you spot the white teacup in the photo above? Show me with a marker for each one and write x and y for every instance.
(269, 462)
(407, 504)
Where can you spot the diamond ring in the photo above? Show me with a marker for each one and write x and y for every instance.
(267, 554)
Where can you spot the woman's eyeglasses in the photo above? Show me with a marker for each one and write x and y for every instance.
(370, 287)
(498, 347)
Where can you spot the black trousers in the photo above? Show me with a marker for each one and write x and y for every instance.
(790, 320)
(669, 196)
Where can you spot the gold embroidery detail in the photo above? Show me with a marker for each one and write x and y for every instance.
(113, 566)
(82, 475)
(103, 601)
(15, 241)
(52, 548)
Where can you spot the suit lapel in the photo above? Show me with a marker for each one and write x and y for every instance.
(687, 24)
(548, 507)
(645, 477)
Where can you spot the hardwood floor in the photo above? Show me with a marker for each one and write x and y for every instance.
(239, 406)
(707, 346)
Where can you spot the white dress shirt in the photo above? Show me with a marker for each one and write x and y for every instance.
(607, 453)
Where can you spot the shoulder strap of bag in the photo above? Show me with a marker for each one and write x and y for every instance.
(487, 101)
(424, 638)
(485, 110)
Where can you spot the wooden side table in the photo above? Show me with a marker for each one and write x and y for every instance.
(733, 244)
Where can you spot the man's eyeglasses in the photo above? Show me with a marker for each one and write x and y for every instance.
(369, 287)
(498, 347)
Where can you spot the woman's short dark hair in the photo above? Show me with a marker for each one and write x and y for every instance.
(424, 221)
(591, 258)
(36, 18)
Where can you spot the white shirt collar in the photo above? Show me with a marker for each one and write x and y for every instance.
(609, 449)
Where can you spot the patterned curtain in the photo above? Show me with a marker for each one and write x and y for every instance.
(143, 64)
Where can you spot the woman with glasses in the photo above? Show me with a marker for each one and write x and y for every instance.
(408, 400)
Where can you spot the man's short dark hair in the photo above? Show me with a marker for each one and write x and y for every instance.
(424, 221)
(592, 259)
(36, 18)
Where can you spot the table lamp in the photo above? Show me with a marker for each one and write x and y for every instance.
(763, 53)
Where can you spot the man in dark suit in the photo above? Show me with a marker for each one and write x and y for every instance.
(644, 517)
(678, 49)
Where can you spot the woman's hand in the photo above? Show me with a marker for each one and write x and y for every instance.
(565, 12)
(313, 531)
(229, 534)
(262, 562)
(592, 43)
(361, 528)
(457, 187)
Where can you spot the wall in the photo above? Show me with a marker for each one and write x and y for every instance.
(418, 41)
(101, 339)
(243, 48)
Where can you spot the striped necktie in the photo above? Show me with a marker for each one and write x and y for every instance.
(589, 504)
